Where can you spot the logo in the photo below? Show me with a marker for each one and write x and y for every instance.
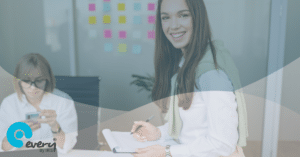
(17, 130)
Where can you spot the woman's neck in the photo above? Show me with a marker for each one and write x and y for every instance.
(35, 102)
(183, 50)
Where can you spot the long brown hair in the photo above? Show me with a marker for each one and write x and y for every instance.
(26, 64)
(167, 57)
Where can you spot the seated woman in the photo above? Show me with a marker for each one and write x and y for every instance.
(35, 92)
(196, 83)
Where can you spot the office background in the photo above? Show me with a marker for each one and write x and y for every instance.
(43, 27)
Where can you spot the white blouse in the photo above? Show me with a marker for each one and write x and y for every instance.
(13, 110)
(210, 125)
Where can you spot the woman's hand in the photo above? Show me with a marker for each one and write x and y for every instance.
(151, 151)
(147, 132)
(34, 125)
(50, 118)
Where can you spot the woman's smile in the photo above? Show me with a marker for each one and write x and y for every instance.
(178, 36)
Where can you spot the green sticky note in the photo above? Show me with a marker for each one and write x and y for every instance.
(122, 48)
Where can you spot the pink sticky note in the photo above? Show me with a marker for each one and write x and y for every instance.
(151, 19)
(107, 33)
(122, 34)
(151, 34)
(151, 6)
(92, 7)
(106, 0)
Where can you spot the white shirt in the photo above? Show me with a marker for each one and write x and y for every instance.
(13, 110)
(210, 125)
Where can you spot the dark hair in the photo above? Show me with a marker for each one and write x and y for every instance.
(26, 64)
(167, 57)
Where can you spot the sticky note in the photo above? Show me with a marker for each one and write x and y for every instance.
(136, 49)
(122, 34)
(107, 33)
(136, 34)
(122, 48)
(122, 19)
(92, 7)
(137, 20)
(151, 6)
(106, 0)
(137, 6)
(151, 34)
(92, 20)
(106, 6)
(106, 19)
(151, 19)
(121, 7)
(108, 47)
(92, 33)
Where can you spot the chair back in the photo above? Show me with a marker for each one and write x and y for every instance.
(85, 93)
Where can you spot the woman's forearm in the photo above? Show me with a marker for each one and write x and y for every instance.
(60, 139)
(6, 145)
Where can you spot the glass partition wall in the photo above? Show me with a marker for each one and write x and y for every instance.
(114, 39)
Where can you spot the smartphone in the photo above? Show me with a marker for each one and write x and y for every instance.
(32, 116)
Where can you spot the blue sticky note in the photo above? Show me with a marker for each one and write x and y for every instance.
(136, 49)
(106, 6)
(137, 6)
(137, 20)
(108, 47)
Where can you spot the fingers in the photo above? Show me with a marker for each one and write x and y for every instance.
(31, 122)
(138, 155)
(138, 123)
(139, 137)
(34, 125)
(47, 120)
(48, 113)
(50, 116)
(142, 150)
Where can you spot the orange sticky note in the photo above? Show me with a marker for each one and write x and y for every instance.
(92, 20)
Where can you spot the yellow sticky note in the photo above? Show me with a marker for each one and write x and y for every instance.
(121, 7)
(92, 20)
(122, 19)
(106, 19)
(122, 48)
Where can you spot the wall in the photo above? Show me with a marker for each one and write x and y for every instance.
(23, 30)
(290, 116)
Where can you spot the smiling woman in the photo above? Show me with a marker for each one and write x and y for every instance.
(195, 83)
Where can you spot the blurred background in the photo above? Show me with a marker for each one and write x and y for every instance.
(113, 40)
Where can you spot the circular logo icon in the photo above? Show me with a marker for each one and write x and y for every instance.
(16, 131)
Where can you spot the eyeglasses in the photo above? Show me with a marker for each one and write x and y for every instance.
(37, 83)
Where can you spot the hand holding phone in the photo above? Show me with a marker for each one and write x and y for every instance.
(32, 120)
(32, 116)
(34, 125)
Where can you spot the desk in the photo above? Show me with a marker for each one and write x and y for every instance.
(92, 153)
